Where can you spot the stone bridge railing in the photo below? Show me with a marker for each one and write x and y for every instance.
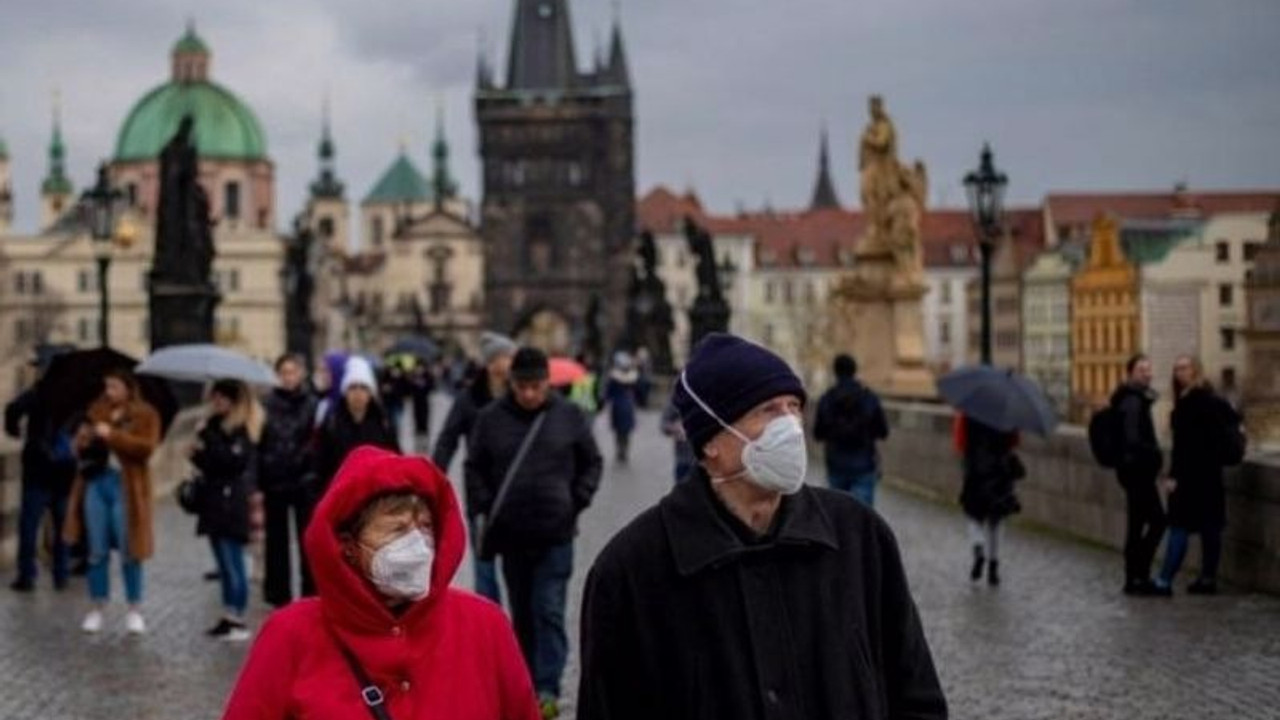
(1066, 491)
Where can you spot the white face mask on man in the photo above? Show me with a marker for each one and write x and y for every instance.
(778, 460)
(402, 567)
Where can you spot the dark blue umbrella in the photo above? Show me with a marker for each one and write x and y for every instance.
(1002, 399)
(415, 345)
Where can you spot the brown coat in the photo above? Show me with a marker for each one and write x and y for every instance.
(135, 435)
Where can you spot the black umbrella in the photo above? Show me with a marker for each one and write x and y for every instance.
(74, 380)
(415, 345)
(1003, 399)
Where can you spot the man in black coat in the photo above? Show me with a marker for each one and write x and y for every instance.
(527, 504)
(745, 594)
(1138, 470)
(285, 477)
(488, 383)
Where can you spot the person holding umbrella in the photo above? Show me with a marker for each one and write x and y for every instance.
(114, 496)
(225, 453)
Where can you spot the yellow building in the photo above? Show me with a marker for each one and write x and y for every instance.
(1105, 319)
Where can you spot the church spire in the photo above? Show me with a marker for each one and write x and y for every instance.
(484, 74)
(824, 190)
(542, 52)
(618, 72)
(326, 185)
(443, 185)
(56, 182)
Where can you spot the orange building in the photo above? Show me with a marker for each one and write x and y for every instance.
(1105, 319)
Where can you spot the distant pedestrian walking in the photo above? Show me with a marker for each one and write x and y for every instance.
(1206, 437)
(486, 384)
(532, 468)
(387, 637)
(111, 498)
(850, 420)
(685, 460)
(620, 395)
(1138, 467)
(356, 419)
(225, 453)
(746, 594)
(286, 477)
(991, 468)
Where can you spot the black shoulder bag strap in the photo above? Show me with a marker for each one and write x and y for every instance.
(371, 694)
(514, 468)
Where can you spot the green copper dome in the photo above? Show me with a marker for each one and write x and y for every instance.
(225, 128)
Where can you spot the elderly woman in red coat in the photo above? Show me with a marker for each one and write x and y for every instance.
(386, 634)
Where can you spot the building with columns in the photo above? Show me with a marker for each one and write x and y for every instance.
(1105, 320)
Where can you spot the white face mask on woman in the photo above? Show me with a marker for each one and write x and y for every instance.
(778, 460)
(402, 567)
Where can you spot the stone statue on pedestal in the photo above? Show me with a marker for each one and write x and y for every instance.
(881, 297)
(649, 316)
(299, 291)
(710, 313)
(182, 294)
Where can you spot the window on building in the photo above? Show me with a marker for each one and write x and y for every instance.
(1226, 295)
(84, 330)
(768, 335)
(944, 331)
(1007, 339)
(944, 294)
(1251, 249)
(376, 231)
(233, 280)
(131, 194)
(21, 331)
(1228, 378)
(441, 295)
(82, 281)
(1222, 251)
(788, 292)
(1228, 338)
(770, 291)
(326, 227)
(231, 200)
(810, 294)
(37, 282)
(19, 283)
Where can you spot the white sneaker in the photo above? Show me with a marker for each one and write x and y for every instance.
(134, 623)
(92, 622)
(237, 635)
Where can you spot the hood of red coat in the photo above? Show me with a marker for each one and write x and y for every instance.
(348, 599)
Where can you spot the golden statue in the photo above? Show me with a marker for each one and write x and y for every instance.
(878, 168)
(893, 195)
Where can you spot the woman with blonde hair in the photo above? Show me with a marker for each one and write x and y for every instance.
(225, 453)
(1201, 420)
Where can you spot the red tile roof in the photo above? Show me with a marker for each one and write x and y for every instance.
(1082, 208)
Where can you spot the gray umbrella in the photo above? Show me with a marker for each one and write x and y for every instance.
(1003, 399)
(205, 363)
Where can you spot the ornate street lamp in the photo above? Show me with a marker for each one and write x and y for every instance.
(985, 188)
(99, 205)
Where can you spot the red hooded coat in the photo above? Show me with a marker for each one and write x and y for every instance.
(452, 655)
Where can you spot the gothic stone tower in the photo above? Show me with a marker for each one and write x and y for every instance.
(558, 213)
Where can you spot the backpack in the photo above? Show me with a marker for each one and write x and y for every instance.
(849, 418)
(1233, 443)
(1106, 439)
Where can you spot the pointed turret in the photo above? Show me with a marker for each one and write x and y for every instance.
(56, 189)
(443, 186)
(326, 185)
(542, 52)
(484, 73)
(824, 190)
(617, 72)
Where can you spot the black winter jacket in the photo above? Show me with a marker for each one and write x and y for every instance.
(687, 614)
(555, 483)
(1140, 453)
(284, 454)
(462, 418)
(988, 492)
(228, 464)
(42, 462)
(1200, 420)
(339, 434)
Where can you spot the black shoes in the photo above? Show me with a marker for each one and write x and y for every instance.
(1139, 587)
(23, 585)
(1203, 587)
(993, 573)
(979, 562)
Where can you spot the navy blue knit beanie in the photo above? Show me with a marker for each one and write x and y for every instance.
(731, 376)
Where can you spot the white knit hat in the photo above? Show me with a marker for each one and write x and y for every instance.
(358, 372)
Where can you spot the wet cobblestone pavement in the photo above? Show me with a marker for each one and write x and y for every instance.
(1056, 641)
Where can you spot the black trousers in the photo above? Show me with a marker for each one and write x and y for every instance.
(1146, 523)
(277, 581)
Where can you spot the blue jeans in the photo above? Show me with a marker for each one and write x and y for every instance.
(862, 485)
(104, 521)
(538, 581)
(486, 572)
(37, 498)
(1176, 551)
(231, 573)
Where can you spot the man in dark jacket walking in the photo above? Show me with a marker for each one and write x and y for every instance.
(532, 468)
(1138, 469)
(745, 594)
(490, 382)
(48, 468)
(285, 477)
(850, 420)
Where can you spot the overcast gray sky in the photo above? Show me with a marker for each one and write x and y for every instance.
(1088, 94)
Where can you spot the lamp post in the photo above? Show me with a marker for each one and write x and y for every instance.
(985, 188)
(100, 202)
